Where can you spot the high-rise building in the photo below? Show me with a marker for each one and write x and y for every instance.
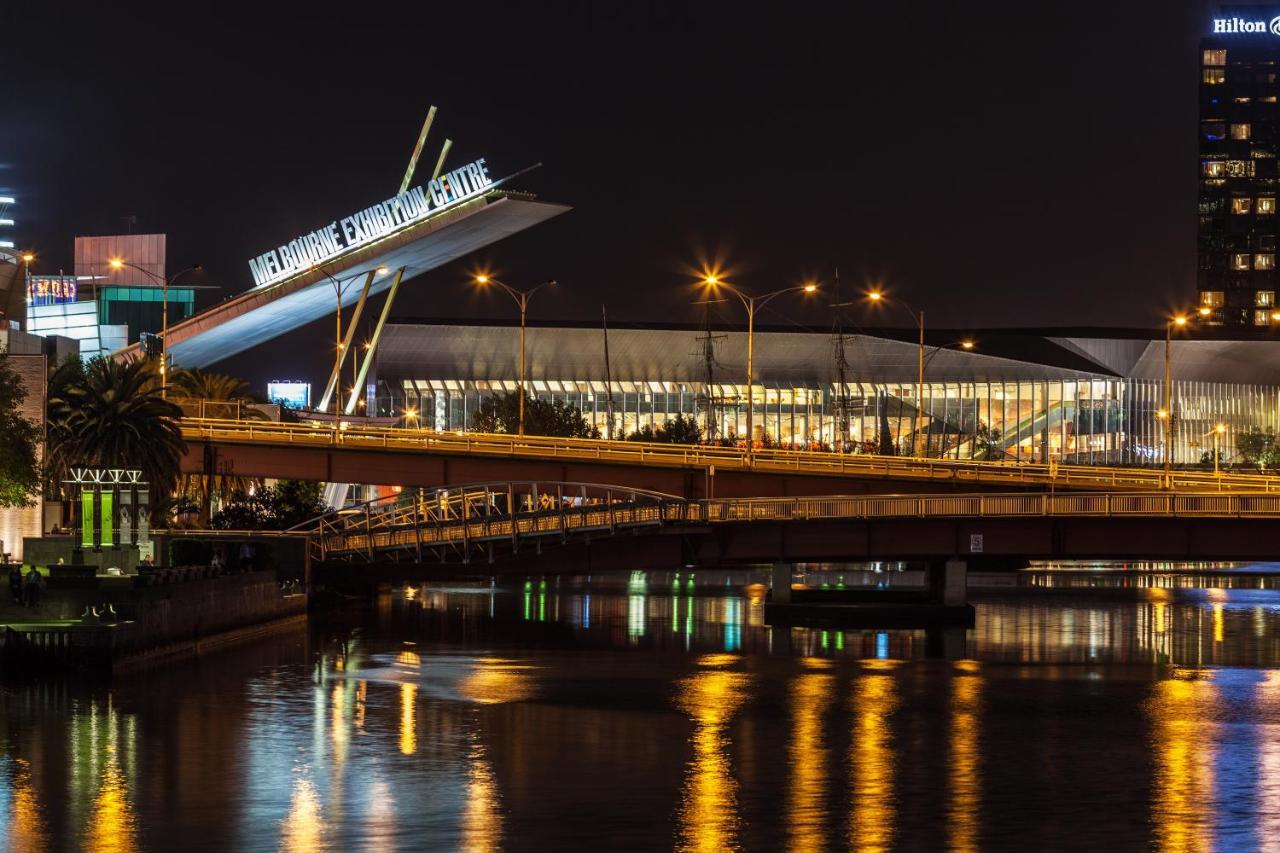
(6, 221)
(1239, 141)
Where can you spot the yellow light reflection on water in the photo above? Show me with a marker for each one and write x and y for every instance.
(964, 773)
(113, 824)
(481, 816)
(1183, 734)
(26, 829)
(709, 812)
(495, 680)
(302, 829)
(811, 696)
(1217, 623)
(408, 728)
(872, 759)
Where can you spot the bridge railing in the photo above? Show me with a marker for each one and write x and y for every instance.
(362, 436)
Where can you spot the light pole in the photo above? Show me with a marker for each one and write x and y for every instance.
(965, 344)
(338, 287)
(751, 303)
(521, 298)
(877, 296)
(1218, 431)
(119, 264)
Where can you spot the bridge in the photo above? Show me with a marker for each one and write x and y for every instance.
(358, 453)
(597, 527)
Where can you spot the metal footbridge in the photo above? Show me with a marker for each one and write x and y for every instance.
(484, 521)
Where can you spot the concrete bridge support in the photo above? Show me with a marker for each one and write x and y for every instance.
(781, 582)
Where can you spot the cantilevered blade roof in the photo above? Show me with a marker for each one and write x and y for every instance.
(244, 321)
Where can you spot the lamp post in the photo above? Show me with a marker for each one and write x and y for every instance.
(965, 344)
(877, 296)
(752, 303)
(521, 298)
(119, 264)
(1218, 431)
(1176, 321)
(338, 287)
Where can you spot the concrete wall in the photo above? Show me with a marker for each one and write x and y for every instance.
(18, 522)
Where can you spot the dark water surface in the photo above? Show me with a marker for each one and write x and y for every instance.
(653, 714)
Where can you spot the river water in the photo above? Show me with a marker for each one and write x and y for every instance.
(660, 712)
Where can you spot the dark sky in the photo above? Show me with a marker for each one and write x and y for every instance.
(994, 164)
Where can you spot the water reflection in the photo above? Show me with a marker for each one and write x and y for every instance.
(964, 773)
(430, 723)
(812, 694)
(709, 819)
(302, 830)
(872, 758)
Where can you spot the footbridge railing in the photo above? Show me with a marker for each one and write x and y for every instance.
(354, 435)
(476, 522)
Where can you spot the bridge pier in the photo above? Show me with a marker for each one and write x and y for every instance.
(781, 582)
(947, 582)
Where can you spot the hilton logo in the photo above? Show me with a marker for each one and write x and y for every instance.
(1229, 26)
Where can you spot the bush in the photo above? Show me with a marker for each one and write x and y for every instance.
(190, 552)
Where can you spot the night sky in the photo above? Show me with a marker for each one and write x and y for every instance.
(994, 164)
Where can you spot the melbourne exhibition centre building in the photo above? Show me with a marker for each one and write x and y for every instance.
(1070, 395)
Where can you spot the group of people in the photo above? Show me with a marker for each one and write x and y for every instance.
(25, 589)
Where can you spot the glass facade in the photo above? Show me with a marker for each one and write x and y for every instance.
(1088, 420)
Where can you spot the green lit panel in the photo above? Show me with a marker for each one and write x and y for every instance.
(86, 519)
(108, 501)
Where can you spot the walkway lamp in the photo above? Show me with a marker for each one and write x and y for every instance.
(521, 298)
(1219, 430)
(1178, 321)
(877, 297)
(751, 303)
(119, 264)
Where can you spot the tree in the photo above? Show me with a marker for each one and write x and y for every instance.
(195, 384)
(111, 414)
(501, 413)
(1258, 448)
(986, 443)
(19, 442)
(679, 430)
(284, 505)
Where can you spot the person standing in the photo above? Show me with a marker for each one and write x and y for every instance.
(15, 582)
(32, 588)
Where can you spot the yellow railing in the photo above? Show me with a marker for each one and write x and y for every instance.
(362, 437)
(366, 533)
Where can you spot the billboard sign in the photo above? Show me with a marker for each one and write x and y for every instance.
(51, 289)
(290, 394)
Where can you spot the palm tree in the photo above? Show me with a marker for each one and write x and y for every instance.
(214, 388)
(111, 414)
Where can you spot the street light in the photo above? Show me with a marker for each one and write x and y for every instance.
(964, 344)
(1218, 431)
(118, 264)
(338, 287)
(876, 297)
(1179, 321)
(521, 298)
(751, 303)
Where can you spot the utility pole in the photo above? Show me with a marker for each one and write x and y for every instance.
(842, 372)
(709, 365)
(608, 375)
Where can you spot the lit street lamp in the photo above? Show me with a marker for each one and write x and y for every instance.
(521, 298)
(1218, 431)
(338, 288)
(751, 303)
(876, 296)
(119, 264)
(1179, 321)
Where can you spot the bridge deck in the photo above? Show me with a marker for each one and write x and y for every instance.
(362, 439)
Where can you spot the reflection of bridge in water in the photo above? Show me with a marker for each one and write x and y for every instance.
(621, 527)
